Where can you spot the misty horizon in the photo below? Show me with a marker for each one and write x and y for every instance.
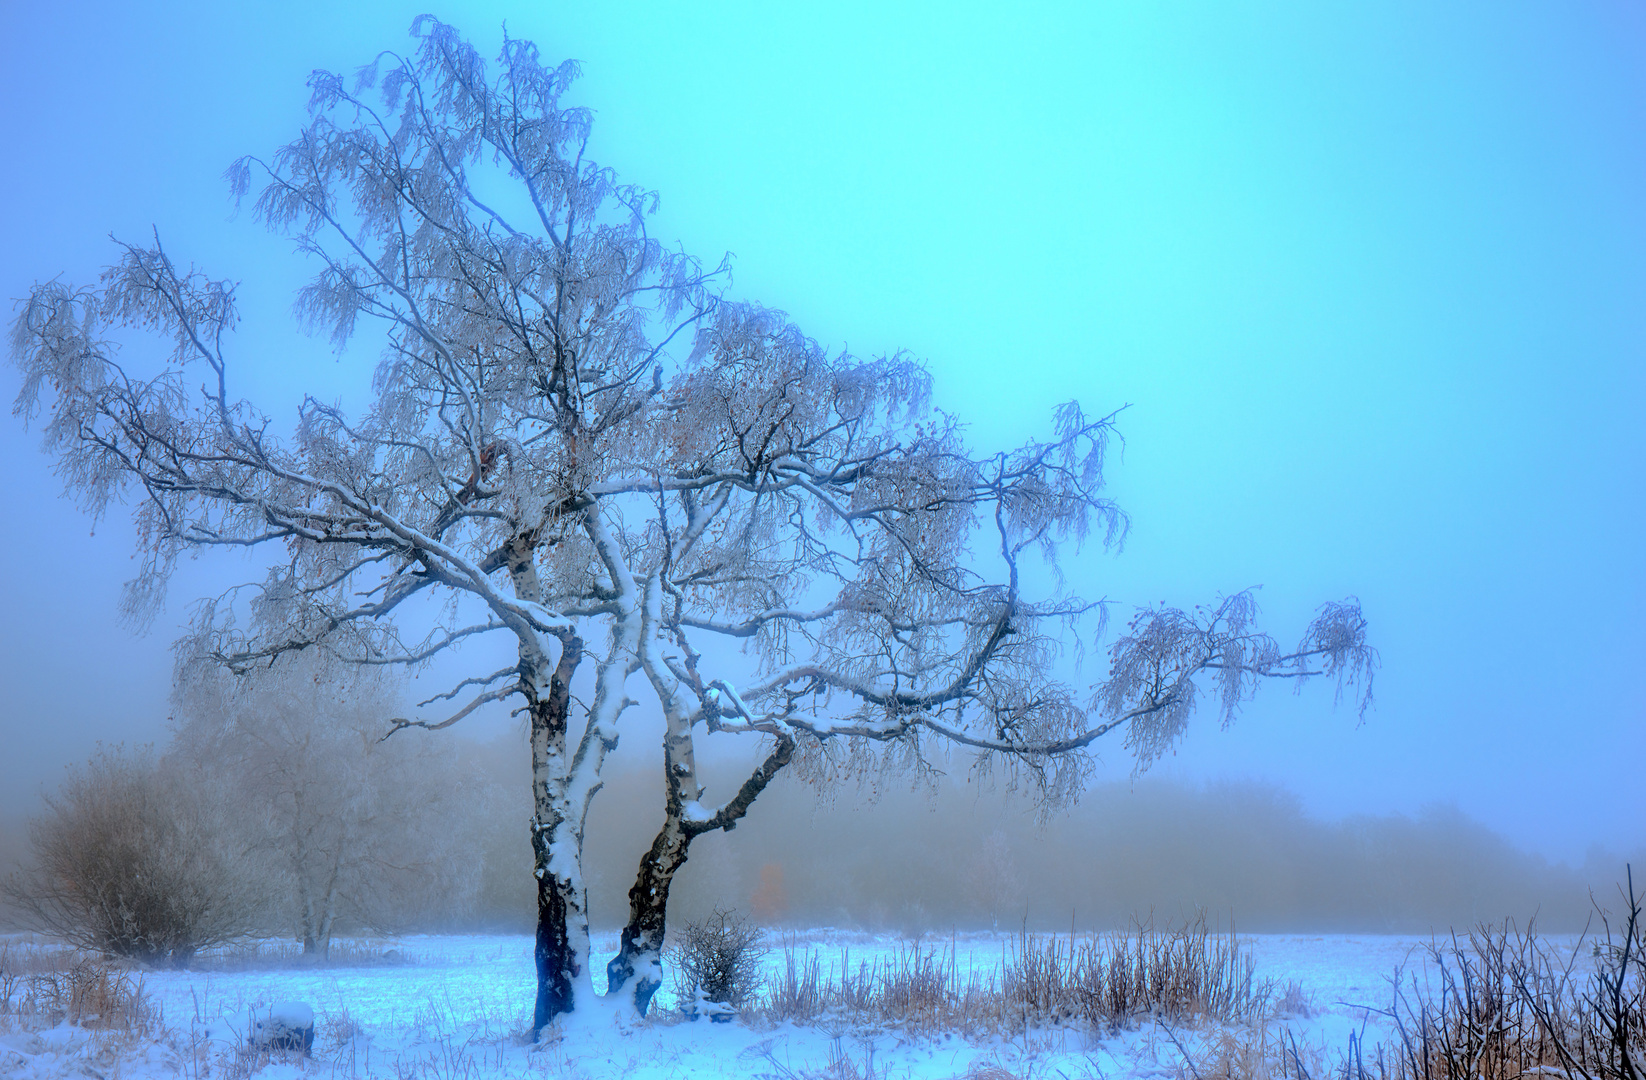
(916, 858)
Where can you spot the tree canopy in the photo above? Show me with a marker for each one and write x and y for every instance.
(578, 442)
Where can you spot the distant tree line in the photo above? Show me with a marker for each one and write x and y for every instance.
(976, 858)
(288, 817)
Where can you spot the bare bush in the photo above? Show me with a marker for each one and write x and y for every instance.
(1468, 1019)
(716, 960)
(1502, 1005)
(126, 862)
(1606, 1035)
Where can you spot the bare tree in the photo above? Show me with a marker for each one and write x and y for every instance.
(129, 860)
(577, 444)
(342, 824)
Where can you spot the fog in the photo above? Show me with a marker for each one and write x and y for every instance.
(1245, 852)
(949, 852)
(930, 857)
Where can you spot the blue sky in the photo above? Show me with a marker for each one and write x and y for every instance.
(1371, 277)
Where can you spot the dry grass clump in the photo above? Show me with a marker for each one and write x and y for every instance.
(339, 1029)
(1296, 1001)
(1503, 1006)
(1261, 1051)
(44, 987)
(918, 990)
(1181, 973)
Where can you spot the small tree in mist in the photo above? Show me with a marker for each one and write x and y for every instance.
(341, 825)
(129, 860)
(993, 878)
(579, 445)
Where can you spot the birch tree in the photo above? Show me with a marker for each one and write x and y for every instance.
(579, 445)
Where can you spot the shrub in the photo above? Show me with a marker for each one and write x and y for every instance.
(1503, 1005)
(126, 862)
(716, 960)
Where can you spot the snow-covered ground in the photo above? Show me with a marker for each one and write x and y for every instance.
(458, 1008)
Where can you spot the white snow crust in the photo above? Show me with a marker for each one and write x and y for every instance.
(291, 1014)
(695, 812)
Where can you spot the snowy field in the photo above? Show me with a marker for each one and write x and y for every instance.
(458, 1007)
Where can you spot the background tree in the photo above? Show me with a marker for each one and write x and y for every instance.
(340, 825)
(129, 859)
(577, 444)
(994, 880)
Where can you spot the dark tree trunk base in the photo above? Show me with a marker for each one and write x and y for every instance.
(556, 966)
(648, 916)
(621, 968)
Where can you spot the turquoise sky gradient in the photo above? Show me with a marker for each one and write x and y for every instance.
(1371, 277)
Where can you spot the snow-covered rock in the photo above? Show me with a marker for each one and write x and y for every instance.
(289, 1025)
